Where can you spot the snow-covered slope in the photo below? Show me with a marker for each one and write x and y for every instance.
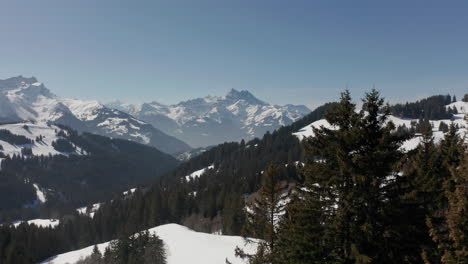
(462, 107)
(212, 120)
(40, 222)
(182, 245)
(410, 144)
(48, 134)
(89, 210)
(25, 99)
(198, 173)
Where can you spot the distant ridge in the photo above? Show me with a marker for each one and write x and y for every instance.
(212, 120)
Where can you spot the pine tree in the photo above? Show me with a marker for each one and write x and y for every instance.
(456, 252)
(465, 98)
(425, 193)
(348, 166)
(154, 251)
(301, 237)
(262, 218)
(448, 227)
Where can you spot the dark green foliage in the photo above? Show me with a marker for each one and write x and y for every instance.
(465, 98)
(13, 139)
(301, 236)
(455, 248)
(63, 145)
(263, 215)
(346, 170)
(443, 127)
(26, 151)
(432, 108)
(142, 248)
(112, 165)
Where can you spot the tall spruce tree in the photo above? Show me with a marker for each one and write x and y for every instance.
(425, 193)
(302, 238)
(349, 163)
(262, 218)
(456, 252)
(448, 226)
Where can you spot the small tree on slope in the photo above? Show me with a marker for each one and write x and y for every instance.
(262, 218)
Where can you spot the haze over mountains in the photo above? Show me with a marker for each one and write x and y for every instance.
(26, 99)
(215, 119)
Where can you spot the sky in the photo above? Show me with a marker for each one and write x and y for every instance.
(300, 52)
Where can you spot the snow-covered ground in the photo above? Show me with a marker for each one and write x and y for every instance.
(40, 222)
(33, 130)
(40, 194)
(183, 246)
(198, 173)
(462, 107)
(131, 191)
(410, 144)
(89, 210)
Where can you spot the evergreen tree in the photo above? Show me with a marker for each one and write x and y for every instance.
(262, 218)
(465, 98)
(301, 237)
(448, 227)
(456, 252)
(425, 193)
(349, 164)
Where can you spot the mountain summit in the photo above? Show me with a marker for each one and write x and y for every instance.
(215, 119)
(245, 95)
(26, 99)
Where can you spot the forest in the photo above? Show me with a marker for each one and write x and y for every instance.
(70, 181)
(357, 198)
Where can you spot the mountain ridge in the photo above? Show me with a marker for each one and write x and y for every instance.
(26, 99)
(212, 120)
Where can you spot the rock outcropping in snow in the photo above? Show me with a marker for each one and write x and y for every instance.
(25, 99)
(212, 120)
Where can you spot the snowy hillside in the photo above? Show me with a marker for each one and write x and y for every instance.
(198, 173)
(411, 143)
(182, 245)
(25, 99)
(40, 222)
(462, 107)
(48, 134)
(212, 120)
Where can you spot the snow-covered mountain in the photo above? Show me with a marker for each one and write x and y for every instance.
(215, 119)
(25, 99)
(182, 246)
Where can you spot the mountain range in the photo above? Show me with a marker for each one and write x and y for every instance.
(212, 120)
(27, 100)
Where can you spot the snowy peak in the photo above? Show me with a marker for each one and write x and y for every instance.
(25, 99)
(17, 82)
(245, 95)
(212, 120)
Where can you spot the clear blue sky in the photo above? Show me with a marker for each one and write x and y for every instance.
(302, 52)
